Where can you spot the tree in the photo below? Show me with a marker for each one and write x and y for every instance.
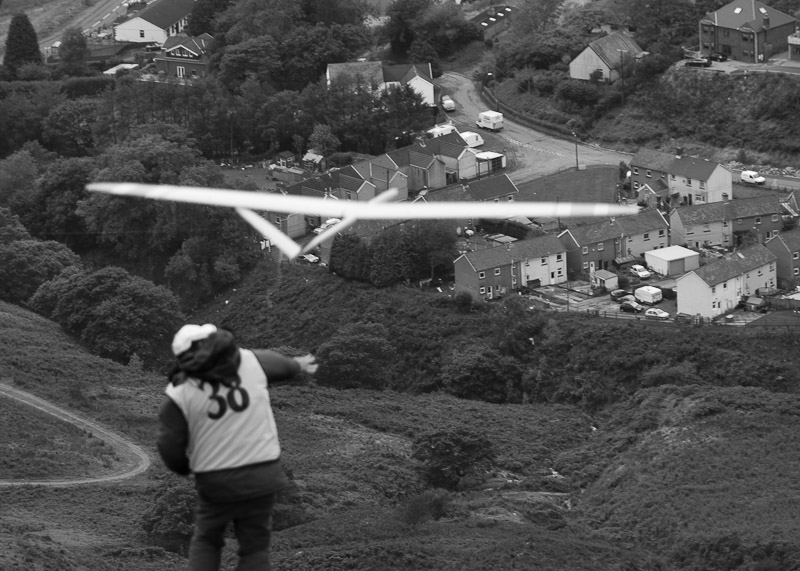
(323, 140)
(450, 455)
(535, 16)
(116, 314)
(18, 174)
(11, 229)
(479, 372)
(73, 52)
(27, 264)
(357, 355)
(22, 45)
(255, 57)
(68, 128)
(204, 13)
(401, 26)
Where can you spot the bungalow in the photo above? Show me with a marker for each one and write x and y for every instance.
(604, 59)
(492, 21)
(460, 161)
(493, 272)
(719, 286)
(746, 30)
(157, 22)
(375, 76)
(786, 248)
(185, 56)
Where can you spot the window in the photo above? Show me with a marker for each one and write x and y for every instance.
(760, 272)
(481, 275)
(141, 33)
(277, 220)
(648, 174)
(560, 272)
(724, 223)
(635, 185)
(585, 265)
(689, 230)
(725, 285)
(672, 177)
(585, 250)
(688, 182)
(558, 257)
(772, 267)
(702, 184)
(758, 219)
(497, 271)
(600, 246)
(774, 217)
(706, 228)
(796, 255)
(180, 71)
(724, 196)
(797, 271)
(349, 195)
(636, 170)
(647, 237)
(661, 233)
(544, 261)
(511, 199)
(513, 279)
(713, 290)
(482, 291)
(739, 221)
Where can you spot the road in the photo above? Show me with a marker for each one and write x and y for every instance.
(530, 154)
(103, 13)
(134, 460)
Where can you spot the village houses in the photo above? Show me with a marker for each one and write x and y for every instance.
(786, 248)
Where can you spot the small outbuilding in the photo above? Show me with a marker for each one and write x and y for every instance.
(672, 260)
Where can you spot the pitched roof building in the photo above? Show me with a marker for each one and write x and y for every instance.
(157, 22)
(604, 58)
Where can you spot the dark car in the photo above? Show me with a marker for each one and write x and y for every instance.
(617, 294)
(718, 57)
(698, 62)
(631, 307)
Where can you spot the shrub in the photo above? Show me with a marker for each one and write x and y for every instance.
(432, 504)
(450, 455)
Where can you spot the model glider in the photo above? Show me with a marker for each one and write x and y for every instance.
(349, 211)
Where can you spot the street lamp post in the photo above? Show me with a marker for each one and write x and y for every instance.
(577, 164)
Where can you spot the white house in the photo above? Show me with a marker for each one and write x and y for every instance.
(719, 286)
(156, 23)
(604, 57)
(377, 77)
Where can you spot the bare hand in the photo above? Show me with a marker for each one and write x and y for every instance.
(308, 363)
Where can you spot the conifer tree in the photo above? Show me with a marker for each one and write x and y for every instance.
(22, 45)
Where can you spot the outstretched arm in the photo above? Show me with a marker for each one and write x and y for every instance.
(173, 438)
(279, 367)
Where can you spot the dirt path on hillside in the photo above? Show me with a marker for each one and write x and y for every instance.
(133, 459)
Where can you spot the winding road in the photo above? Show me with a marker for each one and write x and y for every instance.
(134, 460)
(530, 154)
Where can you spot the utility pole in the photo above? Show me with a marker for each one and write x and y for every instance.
(621, 74)
(577, 164)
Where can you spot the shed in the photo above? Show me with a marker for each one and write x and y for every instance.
(672, 260)
(754, 303)
(605, 279)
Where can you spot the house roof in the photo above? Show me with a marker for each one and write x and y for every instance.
(703, 213)
(747, 14)
(607, 48)
(370, 71)
(165, 13)
(402, 73)
(195, 44)
(645, 221)
(492, 16)
(735, 264)
(595, 232)
(693, 167)
(538, 247)
(756, 206)
(492, 187)
(450, 145)
(671, 253)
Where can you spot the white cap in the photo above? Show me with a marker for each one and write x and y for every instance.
(188, 334)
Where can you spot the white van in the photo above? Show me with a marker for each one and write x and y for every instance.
(491, 120)
(439, 130)
(649, 295)
(472, 139)
(751, 177)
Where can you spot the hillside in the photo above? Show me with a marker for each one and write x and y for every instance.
(674, 477)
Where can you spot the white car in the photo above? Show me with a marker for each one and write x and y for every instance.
(640, 271)
(656, 313)
(448, 104)
(751, 177)
(310, 258)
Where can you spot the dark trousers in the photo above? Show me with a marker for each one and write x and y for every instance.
(252, 524)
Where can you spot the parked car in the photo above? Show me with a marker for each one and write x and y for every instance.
(640, 271)
(310, 258)
(751, 177)
(631, 307)
(629, 297)
(716, 56)
(448, 104)
(618, 294)
(698, 62)
(656, 313)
